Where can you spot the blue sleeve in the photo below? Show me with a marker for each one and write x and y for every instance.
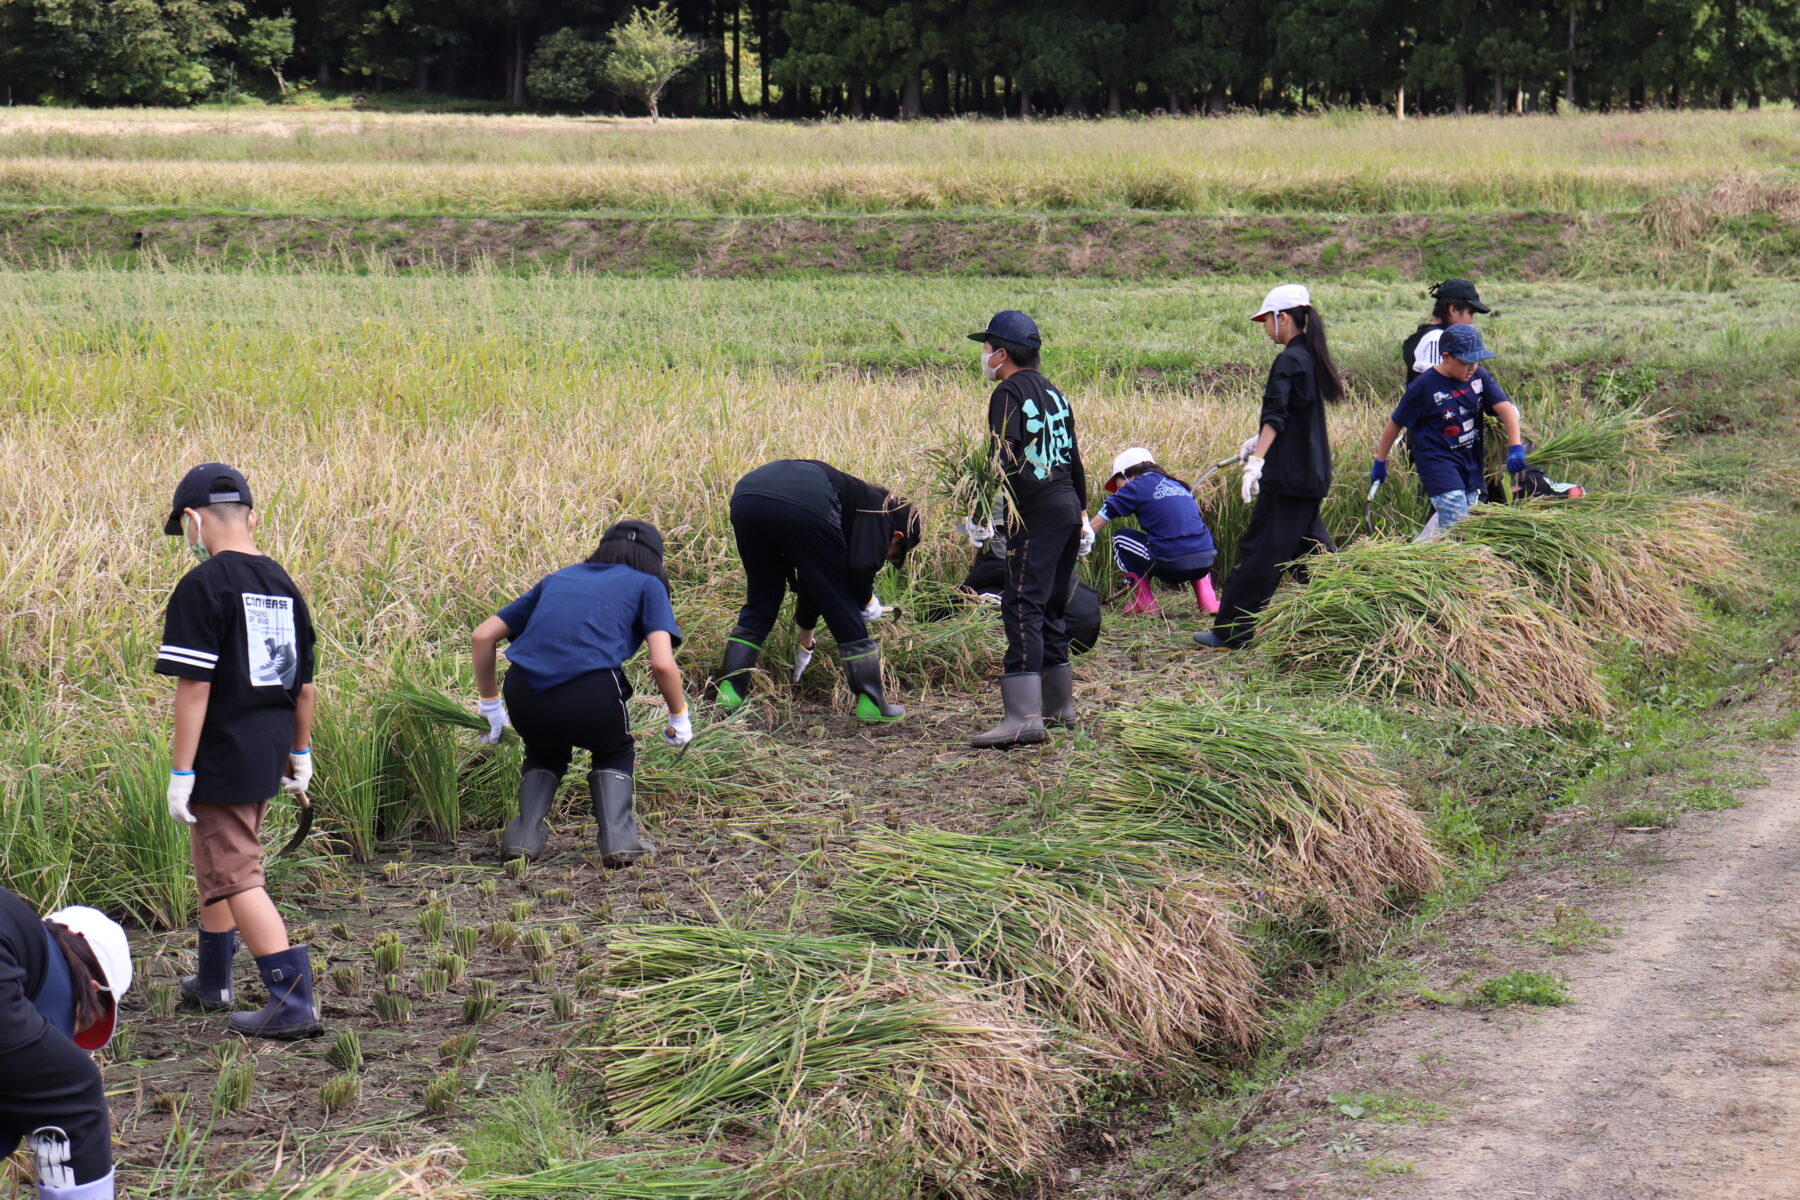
(1491, 391)
(1122, 503)
(655, 613)
(517, 615)
(1407, 411)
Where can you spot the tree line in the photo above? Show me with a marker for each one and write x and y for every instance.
(913, 58)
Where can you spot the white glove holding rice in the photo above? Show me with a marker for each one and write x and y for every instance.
(495, 712)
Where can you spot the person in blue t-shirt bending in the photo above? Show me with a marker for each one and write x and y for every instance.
(1442, 411)
(572, 635)
(1173, 544)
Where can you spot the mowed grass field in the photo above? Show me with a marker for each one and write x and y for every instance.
(865, 962)
(274, 160)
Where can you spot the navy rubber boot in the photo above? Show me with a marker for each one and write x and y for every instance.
(290, 1012)
(210, 987)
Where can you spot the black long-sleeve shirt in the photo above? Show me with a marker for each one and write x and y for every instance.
(858, 508)
(1033, 430)
(1299, 461)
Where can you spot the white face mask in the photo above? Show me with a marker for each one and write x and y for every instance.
(194, 542)
(989, 371)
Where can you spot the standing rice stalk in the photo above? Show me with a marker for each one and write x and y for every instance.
(1129, 955)
(1308, 814)
(711, 1022)
(1433, 625)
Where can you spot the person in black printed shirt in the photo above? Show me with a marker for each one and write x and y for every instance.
(1032, 429)
(1287, 466)
(239, 641)
(61, 980)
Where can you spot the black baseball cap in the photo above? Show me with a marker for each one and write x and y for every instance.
(206, 484)
(1460, 292)
(635, 531)
(1010, 326)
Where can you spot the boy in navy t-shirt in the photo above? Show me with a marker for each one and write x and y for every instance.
(1173, 544)
(239, 641)
(1442, 411)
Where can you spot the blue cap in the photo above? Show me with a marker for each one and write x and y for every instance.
(1463, 342)
(1010, 326)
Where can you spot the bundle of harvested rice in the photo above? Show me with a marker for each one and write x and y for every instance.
(1113, 944)
(1599, 560)
(712, 1022)
(1439, 624)
(1307, 813)
(1612, 440)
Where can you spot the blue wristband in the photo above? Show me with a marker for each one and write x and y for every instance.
(308, 750)
(181, 772)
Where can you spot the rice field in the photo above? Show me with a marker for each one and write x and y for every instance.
(862, 964)
(286, 161)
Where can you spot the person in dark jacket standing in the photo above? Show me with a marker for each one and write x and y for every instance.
(61, 980)
(1032, 429)
(807, 524)
(1287, 465)
(1454, 302)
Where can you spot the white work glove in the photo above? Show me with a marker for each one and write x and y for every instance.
(299, 771)
(680, 729)
(181, 786)
(872, 611)
(802, 659)
(1087, 541)
(978, 535)
(495, 712)
(1249, 445)
(1253, 467)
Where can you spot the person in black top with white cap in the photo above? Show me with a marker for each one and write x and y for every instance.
(61, 980)
(805, 524)
(1031, 427)
(1287, 465)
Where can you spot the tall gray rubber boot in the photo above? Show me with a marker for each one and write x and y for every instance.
(1059, 696)
(1023, 725)
(862, 671)
(618, 839)
(526, 834)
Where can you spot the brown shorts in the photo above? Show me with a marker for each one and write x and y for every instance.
(226, 843)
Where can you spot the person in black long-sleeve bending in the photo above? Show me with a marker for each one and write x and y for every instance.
(808, 525)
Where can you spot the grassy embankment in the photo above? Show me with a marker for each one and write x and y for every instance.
(426, 447)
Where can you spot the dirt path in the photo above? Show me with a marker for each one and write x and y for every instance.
(1673, 1074)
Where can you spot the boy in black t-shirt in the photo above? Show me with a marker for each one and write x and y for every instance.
(239, 641)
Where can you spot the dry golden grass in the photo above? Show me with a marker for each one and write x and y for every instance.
(1342, 162)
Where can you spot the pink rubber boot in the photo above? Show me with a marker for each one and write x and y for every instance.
(1142, 600)
(1204, 594)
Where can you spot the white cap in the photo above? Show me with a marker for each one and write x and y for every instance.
(1136, 456)
(112, 951)
(1282, 298)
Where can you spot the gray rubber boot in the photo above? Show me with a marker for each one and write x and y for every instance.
(618, 839)
(741, 653)
(1059, 696)
(862, 671)
(210, 988)
(526, 834)
(1023, 724)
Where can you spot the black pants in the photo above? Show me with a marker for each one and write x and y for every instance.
(1283, 530)
(782, 544)
(1040, 573)
(588, 711)
(51, 1099)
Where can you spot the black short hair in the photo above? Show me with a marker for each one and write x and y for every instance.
(634, 554)
(1021, 354)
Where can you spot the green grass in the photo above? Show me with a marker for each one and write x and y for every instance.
(1533, 989)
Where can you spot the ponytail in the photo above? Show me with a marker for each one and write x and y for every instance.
(84, 973)
(1311, 334)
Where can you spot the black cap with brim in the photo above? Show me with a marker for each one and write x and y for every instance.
(207, 484)
(1460, 292)
(1010, 327)
(635, 531)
